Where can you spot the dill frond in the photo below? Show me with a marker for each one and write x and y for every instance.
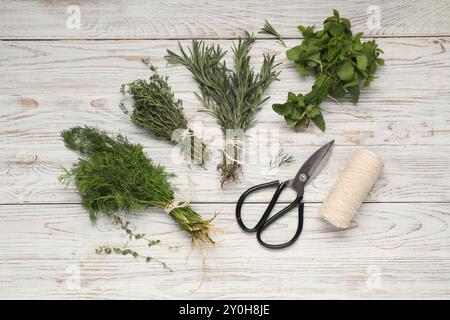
(116, 176)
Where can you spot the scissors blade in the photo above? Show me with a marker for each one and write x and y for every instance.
(312, 166)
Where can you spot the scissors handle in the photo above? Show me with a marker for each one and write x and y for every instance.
(264, 222)
(295, 203)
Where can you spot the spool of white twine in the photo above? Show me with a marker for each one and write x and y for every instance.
(351, 188)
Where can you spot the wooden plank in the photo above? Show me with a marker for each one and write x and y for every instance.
(67, 83)
(59, 84)
(211, 18)
(410, 174)
(54, 242)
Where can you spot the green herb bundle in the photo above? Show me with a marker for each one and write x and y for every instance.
(155, 108)
(116, 175)
(341, 63)
(233, 96)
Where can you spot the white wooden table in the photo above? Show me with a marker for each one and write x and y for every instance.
(54, 76)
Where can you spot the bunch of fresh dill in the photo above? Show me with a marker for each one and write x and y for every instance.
(116, 175)
(233, 96)
(155, 108)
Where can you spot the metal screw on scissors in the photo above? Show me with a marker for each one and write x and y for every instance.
(307, 172)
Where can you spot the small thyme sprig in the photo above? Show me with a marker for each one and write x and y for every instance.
(282, 158)
(125, 226)
(270, 30)
(129, 252)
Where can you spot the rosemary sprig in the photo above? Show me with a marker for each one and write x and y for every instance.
(233, 96)
(155, 108)
(270, 30)
(281, 159)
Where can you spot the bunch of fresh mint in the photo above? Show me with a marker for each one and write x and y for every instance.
(341, 63)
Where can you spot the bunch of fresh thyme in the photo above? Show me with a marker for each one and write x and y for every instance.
(233, 96)
(156, 109)
(116, 175)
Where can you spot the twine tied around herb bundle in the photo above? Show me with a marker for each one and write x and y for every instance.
(237, 145)
(186, 133)
(174, 204)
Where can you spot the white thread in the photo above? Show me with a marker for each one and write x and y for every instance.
(351, 188)
(185, 134)
(174, 204)
(236, 144)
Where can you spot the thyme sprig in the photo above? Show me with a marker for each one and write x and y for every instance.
(232, 96)
(270, 30)
(129, 252)
(125, 226)
(155, 109)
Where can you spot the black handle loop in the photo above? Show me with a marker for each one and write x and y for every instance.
(242, 198)
(296, 202)
(264, 222)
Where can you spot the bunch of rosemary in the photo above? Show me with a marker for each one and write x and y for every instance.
(155, 108)
(233, 96)
(116, 175)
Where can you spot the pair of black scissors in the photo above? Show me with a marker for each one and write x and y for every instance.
(307, 172)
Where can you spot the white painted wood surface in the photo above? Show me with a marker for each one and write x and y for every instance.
(217, 19)
(46, 238)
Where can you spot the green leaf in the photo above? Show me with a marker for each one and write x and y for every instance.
(341, 63)
(354, 92)
(336, 29)
(345, 71)
(361, 62)
(353, 82)
(337, 91)
(380, 61)
(301, 68)
(336, 13)
(319, 121)
(346, 23)
(294, 52)
(278, 108)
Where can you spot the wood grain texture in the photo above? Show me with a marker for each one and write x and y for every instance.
(61, 84)
(53, 242)
(58, 84)
(211, 18)
(417, 174)
(47, 241)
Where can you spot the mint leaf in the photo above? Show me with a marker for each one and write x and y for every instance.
(293, 53)
(361, 62)
(341, 63)
(319, 121)
(345, 71)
